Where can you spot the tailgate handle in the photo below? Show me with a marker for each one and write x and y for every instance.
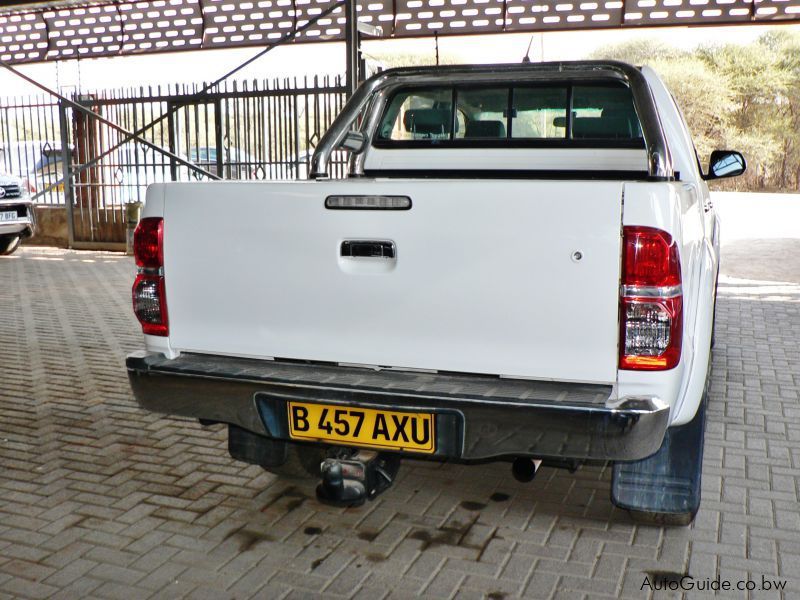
(367, 249)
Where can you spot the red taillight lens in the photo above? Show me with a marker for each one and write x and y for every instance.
(150, 304)
(149, 295)
(651, 301)
(650, 258)
(148, 243)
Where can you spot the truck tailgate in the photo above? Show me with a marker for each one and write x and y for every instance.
(485, 277)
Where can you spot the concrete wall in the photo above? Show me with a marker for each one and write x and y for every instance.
(757, 216)
(760, 236)
(105, 224)
(51, 227)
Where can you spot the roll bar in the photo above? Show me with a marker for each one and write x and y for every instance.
(372, 93)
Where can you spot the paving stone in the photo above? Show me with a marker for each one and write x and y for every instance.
(102, 500)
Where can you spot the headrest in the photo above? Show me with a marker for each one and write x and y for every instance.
(601, 128)
(428, 121)
(485, 129)
(629, 115)
(620, 111)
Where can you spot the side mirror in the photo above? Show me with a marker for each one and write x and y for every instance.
(354, 142)
(725, 163)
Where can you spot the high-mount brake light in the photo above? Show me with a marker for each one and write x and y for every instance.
(651, 300)
(149, 295)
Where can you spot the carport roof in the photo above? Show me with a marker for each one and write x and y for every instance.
(32, 31)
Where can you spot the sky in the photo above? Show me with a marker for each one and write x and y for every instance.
(329, 58)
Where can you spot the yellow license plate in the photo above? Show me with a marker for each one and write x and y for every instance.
(368, 427)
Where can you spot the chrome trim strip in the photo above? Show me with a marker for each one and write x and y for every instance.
(670, 291)
(371, 95)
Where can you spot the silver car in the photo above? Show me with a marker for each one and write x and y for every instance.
(17, 217)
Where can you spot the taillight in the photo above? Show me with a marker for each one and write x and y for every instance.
(150, 304)
(148, 241)
(149, 296)
(651, 300)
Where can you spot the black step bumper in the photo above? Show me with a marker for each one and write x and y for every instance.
(477, 417)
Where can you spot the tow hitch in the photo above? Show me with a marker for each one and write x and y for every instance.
(359, 477)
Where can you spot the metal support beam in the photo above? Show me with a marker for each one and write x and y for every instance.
(173, 167)
(93, 28)
(218, 163)
(352, 50)
(69, 196)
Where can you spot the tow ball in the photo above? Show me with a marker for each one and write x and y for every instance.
(359, 477)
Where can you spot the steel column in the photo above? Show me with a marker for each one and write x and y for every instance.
(351, 39)
(171, 132)
(66, 157)
(218, 135)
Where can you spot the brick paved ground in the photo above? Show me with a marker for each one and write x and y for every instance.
(99, 499)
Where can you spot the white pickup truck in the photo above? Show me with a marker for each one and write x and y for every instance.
(521, 266)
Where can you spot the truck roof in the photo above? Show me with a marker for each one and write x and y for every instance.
(551, 68)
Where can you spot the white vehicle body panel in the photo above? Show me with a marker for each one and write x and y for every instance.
(506, 159)
(485, 278)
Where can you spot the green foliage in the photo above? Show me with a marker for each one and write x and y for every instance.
(396, 59)
(743, 97)
(641, 52)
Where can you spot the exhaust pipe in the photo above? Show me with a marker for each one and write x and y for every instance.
(524, 469)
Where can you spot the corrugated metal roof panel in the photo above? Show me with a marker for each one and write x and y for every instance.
(68, 29)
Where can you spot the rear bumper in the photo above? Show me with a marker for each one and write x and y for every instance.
(477, 417)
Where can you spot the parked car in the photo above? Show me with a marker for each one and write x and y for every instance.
(40, 164)
(236, 163)
(521, 266)
(17, 216)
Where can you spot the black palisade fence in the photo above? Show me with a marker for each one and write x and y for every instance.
(246, 130)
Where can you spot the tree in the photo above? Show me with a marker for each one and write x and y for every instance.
(641, 52)
(744, 97)
(787, 49)
(705, 99)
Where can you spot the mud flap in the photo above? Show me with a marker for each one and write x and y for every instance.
(665, 487)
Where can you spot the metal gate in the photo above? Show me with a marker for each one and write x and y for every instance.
(244, 130)
(250, 130)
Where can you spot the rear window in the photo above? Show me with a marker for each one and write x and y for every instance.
(566, 114)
